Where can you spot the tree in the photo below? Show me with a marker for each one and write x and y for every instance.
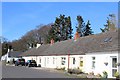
(61, 29)
(81, 25)
(4, 45)
(88, 30)
(31, 38)
(43, 32)
(110, 24)
(19, 45)
(69, 31)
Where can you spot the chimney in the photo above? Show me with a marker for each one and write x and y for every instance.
(11, 50)
(52, 41)
(77, 36)
(8, 50)
(38, 45)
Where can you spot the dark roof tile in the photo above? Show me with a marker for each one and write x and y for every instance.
(92, 43)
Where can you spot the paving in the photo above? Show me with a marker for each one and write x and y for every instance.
(25, 72)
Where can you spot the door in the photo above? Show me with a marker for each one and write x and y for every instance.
(113, 66)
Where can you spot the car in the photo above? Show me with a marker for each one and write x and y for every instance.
(20, 61)
(31, 63)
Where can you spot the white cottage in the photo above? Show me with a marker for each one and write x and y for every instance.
(10, 55)
(94, 53)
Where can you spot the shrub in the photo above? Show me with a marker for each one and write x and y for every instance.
(105, 74)
(117, 75)
(91, 73)
(75, 71)
(98, 75)
(70, 71)
(60, 68)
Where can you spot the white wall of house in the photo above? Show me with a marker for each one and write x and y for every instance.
(79, 62)
(4, 57)
(100, 59)
(8, 59)
(119, 62)
(30, 58)
(91, 62)
(53, 61)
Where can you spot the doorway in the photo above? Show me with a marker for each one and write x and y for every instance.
(114, 66)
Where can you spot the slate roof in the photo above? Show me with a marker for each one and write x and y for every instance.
(14, 54)
(102, 42)
(35, 51)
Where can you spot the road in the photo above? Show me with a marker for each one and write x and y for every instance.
(24, 72)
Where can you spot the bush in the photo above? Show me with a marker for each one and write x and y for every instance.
(75, 71)
(98, 76)
(105, 74)
(117, 75)
(91, 73)
(60, 68)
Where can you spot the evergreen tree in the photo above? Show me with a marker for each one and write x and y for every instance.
(88, 30)
(81, 26)
(70, 28)
(61, 29)
(110, 24)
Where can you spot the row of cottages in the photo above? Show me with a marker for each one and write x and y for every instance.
(11, 56)
(94, 53)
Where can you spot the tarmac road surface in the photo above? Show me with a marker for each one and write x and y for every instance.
(24, 72)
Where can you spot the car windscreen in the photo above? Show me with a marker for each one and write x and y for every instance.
(33, 61)
(21, 60)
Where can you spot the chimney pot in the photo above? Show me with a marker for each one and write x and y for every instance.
(76, 36)
(38, 45)
(52, 41)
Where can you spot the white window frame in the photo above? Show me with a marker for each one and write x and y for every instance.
(74, 60)
(63, 60)
(93, 62)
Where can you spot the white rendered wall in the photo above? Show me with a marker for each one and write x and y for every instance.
(101, 58)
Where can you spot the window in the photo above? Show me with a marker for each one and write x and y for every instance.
(63, 60)
(73, 60)
(113, 72)
(108, 39)
(47, 60)
(114, 66)
(81, 61)
(93, 62)
(114, 61)
(40, 60)
(53, 60)
(93, 58)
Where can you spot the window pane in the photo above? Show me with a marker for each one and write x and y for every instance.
(81, 63)
(73, 60)
(113, 72)
(93, 58)
(47, 60)
(93, 64)
(40, 60)
(114, 61)
(53, 60)
(63, 60)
